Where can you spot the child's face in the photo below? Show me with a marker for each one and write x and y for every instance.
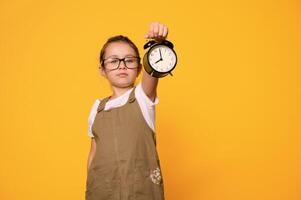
(120, 50)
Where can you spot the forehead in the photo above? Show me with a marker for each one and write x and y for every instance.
(119, 49)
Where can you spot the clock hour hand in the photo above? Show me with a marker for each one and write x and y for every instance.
(158, 60)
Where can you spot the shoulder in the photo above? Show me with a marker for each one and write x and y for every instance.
(94, 106)
(96, 103)
(92, 115)
(143, 98)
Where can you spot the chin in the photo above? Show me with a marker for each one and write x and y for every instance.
(124, 84)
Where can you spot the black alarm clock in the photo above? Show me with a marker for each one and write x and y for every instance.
(160, 59)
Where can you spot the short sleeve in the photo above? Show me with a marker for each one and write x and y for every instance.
(91, 117)
(140, 93)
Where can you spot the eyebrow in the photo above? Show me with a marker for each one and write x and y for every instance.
(117, 56)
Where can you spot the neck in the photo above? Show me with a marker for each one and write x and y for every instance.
(118, 91)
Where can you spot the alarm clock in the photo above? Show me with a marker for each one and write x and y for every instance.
(160, 59)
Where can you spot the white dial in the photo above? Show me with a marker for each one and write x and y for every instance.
(162, 58)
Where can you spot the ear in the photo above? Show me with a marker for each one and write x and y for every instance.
(102, 71)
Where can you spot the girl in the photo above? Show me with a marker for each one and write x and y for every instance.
(123, 162)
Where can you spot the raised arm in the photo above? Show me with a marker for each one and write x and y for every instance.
(149, 84)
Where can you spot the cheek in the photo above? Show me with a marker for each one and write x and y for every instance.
(134, 73)
(111, 75)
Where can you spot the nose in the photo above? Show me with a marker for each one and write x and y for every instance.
(122, 64)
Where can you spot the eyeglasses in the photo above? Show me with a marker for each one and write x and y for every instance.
(114, 63)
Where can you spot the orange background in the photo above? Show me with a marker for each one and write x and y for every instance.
(228, 121)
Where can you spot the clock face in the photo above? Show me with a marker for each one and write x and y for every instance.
(162, 58)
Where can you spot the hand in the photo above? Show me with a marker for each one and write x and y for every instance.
(157, 31)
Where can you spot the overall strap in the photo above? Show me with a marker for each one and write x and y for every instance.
(102, 104)
(132, 96)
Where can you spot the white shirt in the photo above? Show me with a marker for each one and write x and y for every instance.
(147, 107)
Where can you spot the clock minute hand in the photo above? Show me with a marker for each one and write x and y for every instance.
(160, 54)
(160, 57)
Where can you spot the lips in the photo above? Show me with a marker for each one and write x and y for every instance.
(122, 74)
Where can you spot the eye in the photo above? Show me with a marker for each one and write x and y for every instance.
(130, 60)
(113, 61)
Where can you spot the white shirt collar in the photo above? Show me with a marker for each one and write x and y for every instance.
(120, 98)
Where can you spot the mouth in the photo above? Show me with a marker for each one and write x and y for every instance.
(122, 74)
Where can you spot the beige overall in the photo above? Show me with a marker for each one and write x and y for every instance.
(126, 165)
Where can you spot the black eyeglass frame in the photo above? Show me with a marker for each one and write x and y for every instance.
(121, 59)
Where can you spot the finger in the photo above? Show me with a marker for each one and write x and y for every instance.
(152, 30)
(161, 29)
(165, 31)
(156, 29)
(151, 34)
(147, 35)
